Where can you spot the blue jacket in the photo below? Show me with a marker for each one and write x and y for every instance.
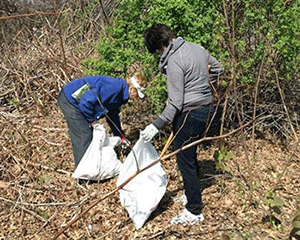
(82, 93)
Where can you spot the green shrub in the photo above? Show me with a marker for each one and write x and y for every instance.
(123, 43)
(296, 223)
(267, 29)
(238, 33)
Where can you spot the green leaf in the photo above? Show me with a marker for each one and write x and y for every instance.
(277, 201)
(266, 201)
(298, 213)
(296, 224)
(229, 155)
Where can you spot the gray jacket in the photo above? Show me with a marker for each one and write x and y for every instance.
(185, 66)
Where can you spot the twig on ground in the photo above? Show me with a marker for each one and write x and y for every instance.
(288, 162)
(31, 213)
(44, 225)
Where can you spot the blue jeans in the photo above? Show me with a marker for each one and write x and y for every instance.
(191, 127)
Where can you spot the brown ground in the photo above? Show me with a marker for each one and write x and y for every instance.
(39, 196)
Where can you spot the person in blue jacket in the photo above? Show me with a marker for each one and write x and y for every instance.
(87, 99)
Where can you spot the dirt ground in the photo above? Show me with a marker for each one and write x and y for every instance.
(38, 196)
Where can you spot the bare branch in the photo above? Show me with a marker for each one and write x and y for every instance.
(32, 14)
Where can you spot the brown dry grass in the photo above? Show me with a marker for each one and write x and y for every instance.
(38, 197)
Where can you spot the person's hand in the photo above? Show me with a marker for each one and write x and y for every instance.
(149, 132)
(125, 143)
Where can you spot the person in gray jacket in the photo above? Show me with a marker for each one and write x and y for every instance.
(189, 70)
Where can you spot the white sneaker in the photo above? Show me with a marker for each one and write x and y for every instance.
(182, 199)
(187, 218)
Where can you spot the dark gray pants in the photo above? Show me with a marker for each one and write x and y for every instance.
(81, 132)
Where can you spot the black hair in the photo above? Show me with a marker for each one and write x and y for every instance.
(158, 36)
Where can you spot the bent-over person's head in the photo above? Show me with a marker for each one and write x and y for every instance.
(136, 85)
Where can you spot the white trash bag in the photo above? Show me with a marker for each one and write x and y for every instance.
(143, 193)
(100, 160)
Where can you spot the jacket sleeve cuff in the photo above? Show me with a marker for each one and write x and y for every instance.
(159, 123)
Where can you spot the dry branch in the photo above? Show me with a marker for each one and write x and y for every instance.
(284, 105)
(32, 14)
(32, 213)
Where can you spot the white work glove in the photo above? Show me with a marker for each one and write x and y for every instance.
(149, 132)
